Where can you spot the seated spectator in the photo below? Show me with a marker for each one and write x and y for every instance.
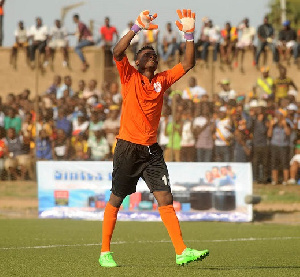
(226, 93)
(98, 146)
(229, 39)
(173, 132)
(95, 123)
(244, 42)
(193, 92)
(111, 125)
(212, 35)
(169, 45)
(265, 35)
(63, 123)
(65, 89)
(203, 130)
(202, 38)
(287, 42)
(107, 34)
(85, 39)
(18, 160)
(282, 85)
(2, 116)
(164, 120)
(81, 88)
(55, 85)
(264, 87)
(43, 147)
(57, 40)
(38, 34)
(21, 42)
(28, 126)
(279, 132)
(12, 121)
(79, 147)
(223, 136)
(61, 146)
(44, 123)
(295, 165)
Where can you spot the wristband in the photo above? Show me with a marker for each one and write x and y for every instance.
(189, 36)
(135, 28)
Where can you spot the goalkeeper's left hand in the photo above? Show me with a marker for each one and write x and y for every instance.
(187, 24)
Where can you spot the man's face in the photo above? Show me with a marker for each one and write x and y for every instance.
(266, 20)
(107, 21)
(21, 25)
(57, 23)
(147, 60)
(38, 22)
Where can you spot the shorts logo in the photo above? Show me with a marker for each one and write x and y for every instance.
(157, 87)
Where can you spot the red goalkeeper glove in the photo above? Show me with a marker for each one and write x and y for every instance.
(144, 22)
(187, 24)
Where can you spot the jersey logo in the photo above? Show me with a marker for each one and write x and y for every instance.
(157, 87)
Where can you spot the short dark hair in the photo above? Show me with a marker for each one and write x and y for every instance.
(147, 47)
(76, 15)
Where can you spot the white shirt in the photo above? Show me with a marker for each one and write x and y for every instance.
(196, 92)
(162, 138)
(247, 33)
(226, 95)
(21, 35)
(187, 137)
(222, 131)
(38, 33)
(135, 39)
(58, 33)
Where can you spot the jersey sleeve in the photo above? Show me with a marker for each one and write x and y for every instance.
(172, 75)
(125, 69)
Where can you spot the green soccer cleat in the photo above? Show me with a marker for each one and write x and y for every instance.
(190, 255)
(106, 260)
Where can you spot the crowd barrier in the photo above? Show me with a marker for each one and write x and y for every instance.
(202, 192)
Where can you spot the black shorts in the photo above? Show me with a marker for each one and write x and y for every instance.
(132, 161)
(280, 157)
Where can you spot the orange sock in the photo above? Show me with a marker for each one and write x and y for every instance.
(169, 218)
(108, 226)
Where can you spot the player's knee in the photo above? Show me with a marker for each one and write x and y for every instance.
(163, 198)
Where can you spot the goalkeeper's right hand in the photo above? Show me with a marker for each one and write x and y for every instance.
(144, 22)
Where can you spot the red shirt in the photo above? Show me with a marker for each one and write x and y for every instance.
(108, 32)
(84, 32)
(142, 101)
(2, 147)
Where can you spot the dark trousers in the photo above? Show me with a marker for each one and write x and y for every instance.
(37, 46)
(1, 30)
(260, 158)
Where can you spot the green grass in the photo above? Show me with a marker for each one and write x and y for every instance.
(144, 249)
(278, 194)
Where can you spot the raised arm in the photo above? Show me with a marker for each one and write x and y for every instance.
(142, 22)
(187, 25)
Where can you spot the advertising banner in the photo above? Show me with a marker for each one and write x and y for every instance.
(201, 191)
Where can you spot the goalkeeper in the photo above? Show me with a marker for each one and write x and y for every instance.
(137, 153)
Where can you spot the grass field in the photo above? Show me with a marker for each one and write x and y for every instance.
(35, 247)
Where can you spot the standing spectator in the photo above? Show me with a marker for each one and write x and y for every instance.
(2, 116)
(91, 89)
(168, 45)
(115, 92)
(65, 89)
(63, 123)
(242, 143)
(43, 147)
(55, 85)
(150, 38)
(1, 20)
(230, 36)
(282, 85)
(287, 42)
(80, 124)
(81, 88)
(3, 150)
(202, 38)
(61, 146)
(173, 131)
(193, 92)
(212, 38)
(79, 147)
(162, 139)
(85, 39)
(57, 40)
(95, 124)
(111, 125)
(38, 33)
(264, 87)
(18, 157)
(223, 136)
(292, 119)
(279, 132)
(295, 165)
(187, 143)
(226, 93)
(265, 35)
(245, 42)
(107, 34)
(21, 41)
(134, 42)
(203, 130)
(13, 121)
(98, 146)
(258, 126)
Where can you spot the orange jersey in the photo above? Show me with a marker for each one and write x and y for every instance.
(142, 101)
